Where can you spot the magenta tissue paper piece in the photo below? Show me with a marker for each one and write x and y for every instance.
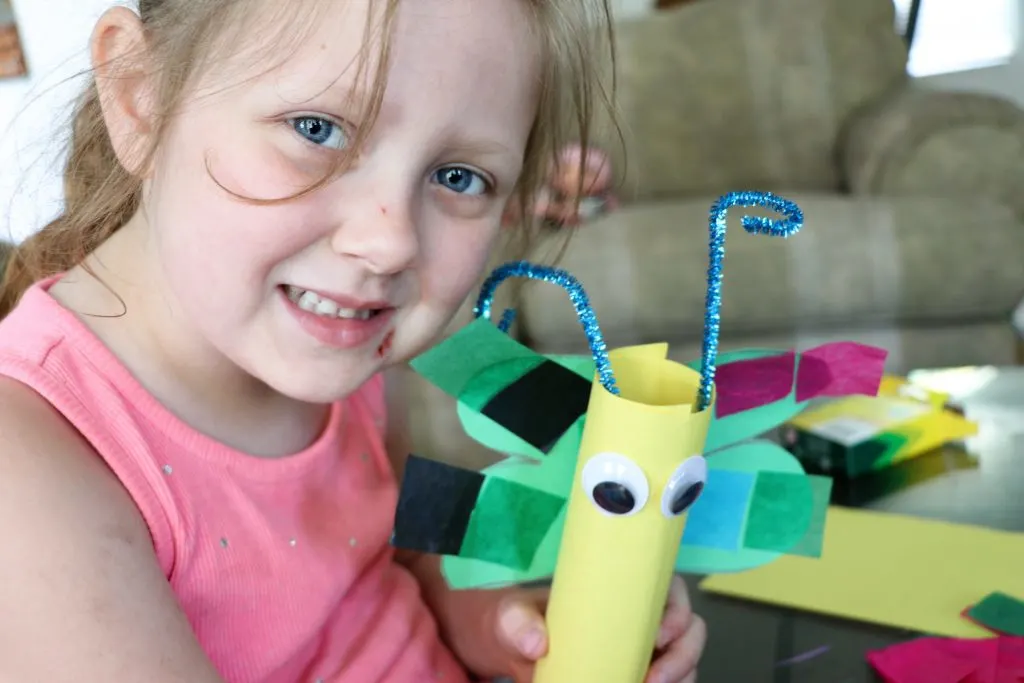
(748, 384)
(839, 369)
(951, 660)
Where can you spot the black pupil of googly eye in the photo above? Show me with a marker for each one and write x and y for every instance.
(686, 498)
(614, 497)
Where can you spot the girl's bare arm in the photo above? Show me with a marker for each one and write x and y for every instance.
(82, 596)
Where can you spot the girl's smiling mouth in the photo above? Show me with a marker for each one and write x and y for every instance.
(336, 320)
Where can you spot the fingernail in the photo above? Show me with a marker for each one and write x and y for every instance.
(514, 619)
(532, 642)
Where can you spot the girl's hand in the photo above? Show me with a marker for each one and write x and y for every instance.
(517, 622)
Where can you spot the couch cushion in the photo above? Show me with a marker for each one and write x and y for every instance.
(753, 92)
(858, 262)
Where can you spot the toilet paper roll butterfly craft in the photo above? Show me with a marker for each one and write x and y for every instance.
(623, 466)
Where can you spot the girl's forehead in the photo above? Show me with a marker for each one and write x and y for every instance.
(325, 48)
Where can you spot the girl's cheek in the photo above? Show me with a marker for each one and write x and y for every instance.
(455, 255)
(267, 169)
(463, 207)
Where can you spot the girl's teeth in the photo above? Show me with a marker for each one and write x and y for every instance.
(326, 307)
(312, 302)
(308, 301)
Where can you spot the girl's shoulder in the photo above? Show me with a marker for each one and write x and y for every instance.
(77, 564)
(47, 467)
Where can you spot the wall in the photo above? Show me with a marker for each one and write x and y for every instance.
(55, 36)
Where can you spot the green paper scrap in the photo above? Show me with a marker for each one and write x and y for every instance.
(509, 522)
(787, 513)
(752, 423)
(1000, 613)
(751, 456)
(452, 364)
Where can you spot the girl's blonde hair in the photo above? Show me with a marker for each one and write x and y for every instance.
(100, 195)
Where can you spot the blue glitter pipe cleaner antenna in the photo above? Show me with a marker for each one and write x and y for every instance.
(790, 224)
(577, 296)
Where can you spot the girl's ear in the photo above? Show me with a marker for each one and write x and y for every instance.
(121, 61)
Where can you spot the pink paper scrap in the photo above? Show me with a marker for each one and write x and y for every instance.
(840, 369)
(951, 660)
(748, 384)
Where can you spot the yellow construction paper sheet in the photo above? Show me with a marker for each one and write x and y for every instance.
(894, 570)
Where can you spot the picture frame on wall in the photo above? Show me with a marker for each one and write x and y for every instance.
(12, 56)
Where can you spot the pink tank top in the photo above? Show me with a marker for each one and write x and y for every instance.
(283, 566)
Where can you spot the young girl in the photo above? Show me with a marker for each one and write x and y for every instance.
(267, 205)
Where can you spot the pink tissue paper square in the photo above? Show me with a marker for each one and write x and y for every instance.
(748, 384)
(951, 660)
(839, 369)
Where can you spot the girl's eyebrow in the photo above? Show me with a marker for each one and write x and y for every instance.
(480, 147)
(339, 92)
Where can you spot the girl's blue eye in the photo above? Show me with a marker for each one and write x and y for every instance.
(320, 131)
(461, 180)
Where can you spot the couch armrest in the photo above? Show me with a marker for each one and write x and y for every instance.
(937, 143)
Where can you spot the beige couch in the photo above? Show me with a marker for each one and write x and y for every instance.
(914, 235)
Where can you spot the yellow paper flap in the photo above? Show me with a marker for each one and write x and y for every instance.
(656, 351)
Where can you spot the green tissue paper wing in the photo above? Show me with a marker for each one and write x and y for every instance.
(750, 423)
(467, 574)
(486, 431)
(509, 523)
(753, 456)
(553, 475)
(454, 363)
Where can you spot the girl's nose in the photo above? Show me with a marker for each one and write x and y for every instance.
(383, 236)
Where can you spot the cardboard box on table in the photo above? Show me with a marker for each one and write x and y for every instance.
(857, 435)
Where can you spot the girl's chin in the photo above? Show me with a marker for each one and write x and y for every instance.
(320, 393)
(319, 380)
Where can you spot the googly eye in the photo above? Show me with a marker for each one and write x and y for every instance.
(615, 484)
(684, 486)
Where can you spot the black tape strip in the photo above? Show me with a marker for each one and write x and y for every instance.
(434, 506)
(541, 405)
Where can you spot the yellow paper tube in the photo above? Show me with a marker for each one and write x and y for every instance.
(611, 582)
